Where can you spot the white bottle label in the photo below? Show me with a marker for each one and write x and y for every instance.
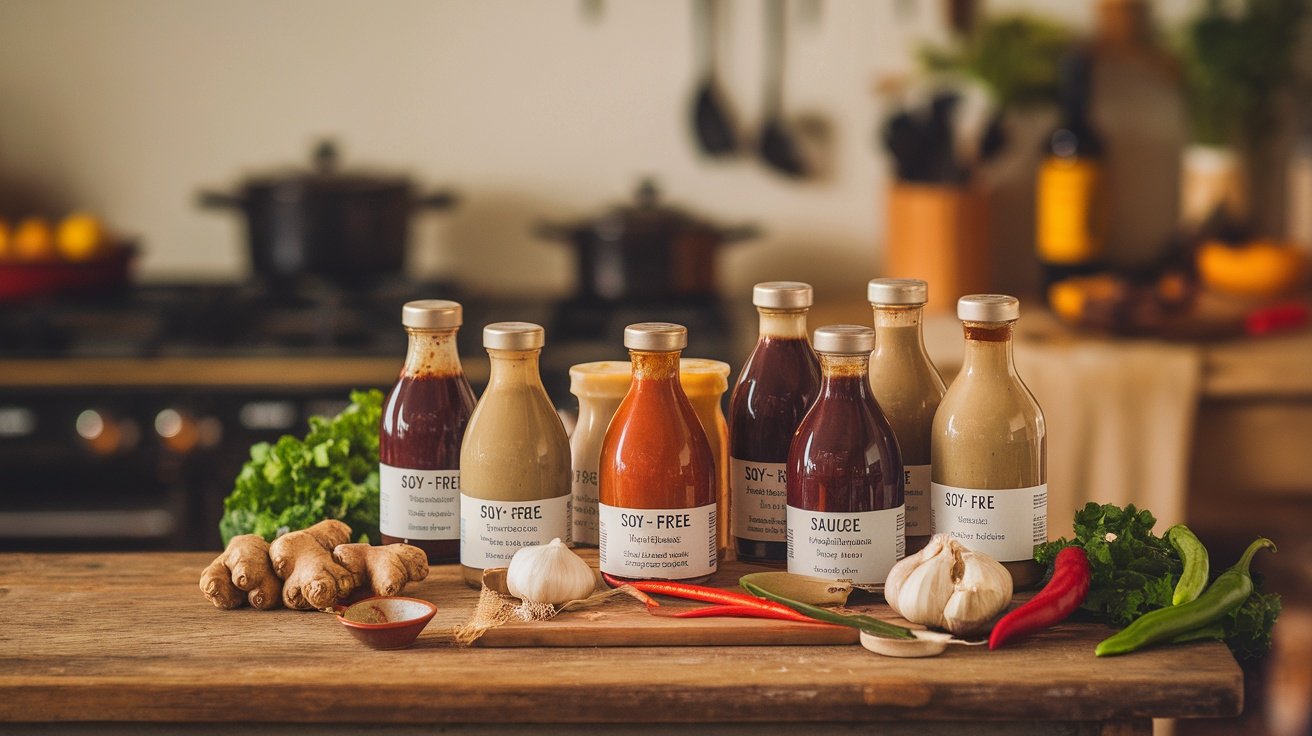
(584, 491)
(418, 504)
(1003, 524)
(759, 493)
(657, 543)
(491, 532)
(859, 546)
(917, 499)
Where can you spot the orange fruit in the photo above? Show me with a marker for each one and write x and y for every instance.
(33, 240)
(5, 240)
(1259, 268)
(81, 237)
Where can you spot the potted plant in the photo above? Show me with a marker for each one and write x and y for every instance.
(1234, 58)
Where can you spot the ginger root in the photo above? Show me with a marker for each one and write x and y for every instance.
(243, 573)
(386, 569)
(312, 579)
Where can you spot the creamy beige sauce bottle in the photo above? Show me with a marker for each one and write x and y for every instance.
(908, 388)
(514, 460)
(988, 452)
(600, 387)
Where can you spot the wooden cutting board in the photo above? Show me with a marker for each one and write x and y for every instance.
(626, 623)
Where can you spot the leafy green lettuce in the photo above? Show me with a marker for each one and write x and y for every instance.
(1133, 571)
(330, 474)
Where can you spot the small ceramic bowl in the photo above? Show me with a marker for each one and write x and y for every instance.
(386, 622)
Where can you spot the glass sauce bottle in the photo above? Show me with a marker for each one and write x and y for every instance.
(908, 389)
(845, 484)
(599, 386)
(515, 458)
(705, 381)
(988, 451)
(419, 438)
(656, 508)
(775, 388)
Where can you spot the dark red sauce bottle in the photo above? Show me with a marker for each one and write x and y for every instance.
(774, 390)
(423, 422)
(846, 513)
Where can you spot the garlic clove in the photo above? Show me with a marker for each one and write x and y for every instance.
(925, 591)
(983, 591)
(897, 576)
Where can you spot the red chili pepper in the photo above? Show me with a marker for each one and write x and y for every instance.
(703, 593)
(787, 614)
(1055, 603)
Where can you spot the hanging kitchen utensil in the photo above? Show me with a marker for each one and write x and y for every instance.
(350, 226)
(646, 252)
(778, 146)
(711, 121)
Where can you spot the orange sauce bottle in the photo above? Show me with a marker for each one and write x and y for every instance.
(657, 475)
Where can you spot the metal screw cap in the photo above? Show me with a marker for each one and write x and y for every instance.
(844, 339)
(656, 336)
(988, 308)
(432, 314)
(513, 336)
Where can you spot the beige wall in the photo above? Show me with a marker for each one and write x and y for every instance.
(127, 107)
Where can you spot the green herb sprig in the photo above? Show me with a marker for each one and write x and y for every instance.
(330, 474)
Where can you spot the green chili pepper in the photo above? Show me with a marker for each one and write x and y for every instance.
(868, 624)
(1194, 556)
(1210, 632)
(1228, 592)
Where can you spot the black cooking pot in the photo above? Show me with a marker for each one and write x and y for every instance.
(646, 251)
(347, 226)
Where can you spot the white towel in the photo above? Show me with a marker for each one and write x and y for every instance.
(1120, 418)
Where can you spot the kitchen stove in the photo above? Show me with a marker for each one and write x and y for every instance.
(124, 420)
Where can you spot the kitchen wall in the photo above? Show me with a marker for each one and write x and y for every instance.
(531, 109)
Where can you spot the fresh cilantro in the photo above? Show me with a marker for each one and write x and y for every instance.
(1133, 571)
(331, 474)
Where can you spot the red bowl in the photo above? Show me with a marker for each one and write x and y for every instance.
(386, 622)
(30, 279)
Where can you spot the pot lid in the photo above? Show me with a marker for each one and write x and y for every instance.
(325, 172)
(646, 214)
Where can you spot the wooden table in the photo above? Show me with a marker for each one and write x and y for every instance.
(129, 637)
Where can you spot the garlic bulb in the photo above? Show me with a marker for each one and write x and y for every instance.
(949, 586)
(549, 573)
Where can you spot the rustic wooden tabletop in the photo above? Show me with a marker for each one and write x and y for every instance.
(129, 637)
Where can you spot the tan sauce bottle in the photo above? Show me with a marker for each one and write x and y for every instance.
(705, 381)
(908, 388)
(514, 461)
(600, 387)
(988, 453)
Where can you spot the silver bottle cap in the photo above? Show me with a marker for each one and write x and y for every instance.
(782, 295)
(844, 339)
(432, 314)
(988, 308)
(898, 292)
(657, 337)
(513, 336)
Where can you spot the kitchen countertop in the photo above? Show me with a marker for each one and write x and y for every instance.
(129, 637)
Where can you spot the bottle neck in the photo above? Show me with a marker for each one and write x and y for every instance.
(431, 354)
(837, 368)
(988, 349)
(783, 323)
(513, 368)
(899, 330)
(649, 366)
